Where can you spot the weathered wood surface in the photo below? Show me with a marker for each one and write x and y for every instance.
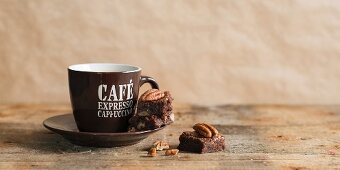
(258, 137)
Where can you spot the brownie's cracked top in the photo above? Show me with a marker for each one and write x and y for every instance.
(154, 110)
(194, 136)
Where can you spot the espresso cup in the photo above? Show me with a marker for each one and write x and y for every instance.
(104, 95)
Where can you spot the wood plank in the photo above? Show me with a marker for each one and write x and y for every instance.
(258, 137)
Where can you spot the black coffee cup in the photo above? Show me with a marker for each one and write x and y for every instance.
(104, 95)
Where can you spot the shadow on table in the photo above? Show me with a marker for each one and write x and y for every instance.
(37, 139)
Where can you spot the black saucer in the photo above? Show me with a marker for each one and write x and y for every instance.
(66, 126)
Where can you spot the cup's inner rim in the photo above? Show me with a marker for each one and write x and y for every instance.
(104, 67)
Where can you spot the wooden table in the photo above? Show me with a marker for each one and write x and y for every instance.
(258, 137)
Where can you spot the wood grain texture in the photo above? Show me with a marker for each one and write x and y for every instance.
(258, 137)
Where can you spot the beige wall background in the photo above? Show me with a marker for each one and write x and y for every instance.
(204, 52)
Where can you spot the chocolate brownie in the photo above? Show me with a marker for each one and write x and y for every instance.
(154, 109)
(204, 139)
(194, 142)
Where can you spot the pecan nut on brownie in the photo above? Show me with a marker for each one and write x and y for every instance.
(204, 139)
(154, 110)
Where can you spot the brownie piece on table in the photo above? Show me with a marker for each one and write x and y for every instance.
(154, 110)
(202, 140)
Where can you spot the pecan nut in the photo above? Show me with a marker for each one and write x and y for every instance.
(161, 145)
(152, 152)
(171, 152)
(205, 130)
(152, 94)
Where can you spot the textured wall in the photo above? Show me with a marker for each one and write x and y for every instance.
(206, 52)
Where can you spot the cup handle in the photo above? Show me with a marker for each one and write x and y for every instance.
(150, 80)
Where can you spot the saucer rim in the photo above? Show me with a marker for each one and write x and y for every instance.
(97, 133)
